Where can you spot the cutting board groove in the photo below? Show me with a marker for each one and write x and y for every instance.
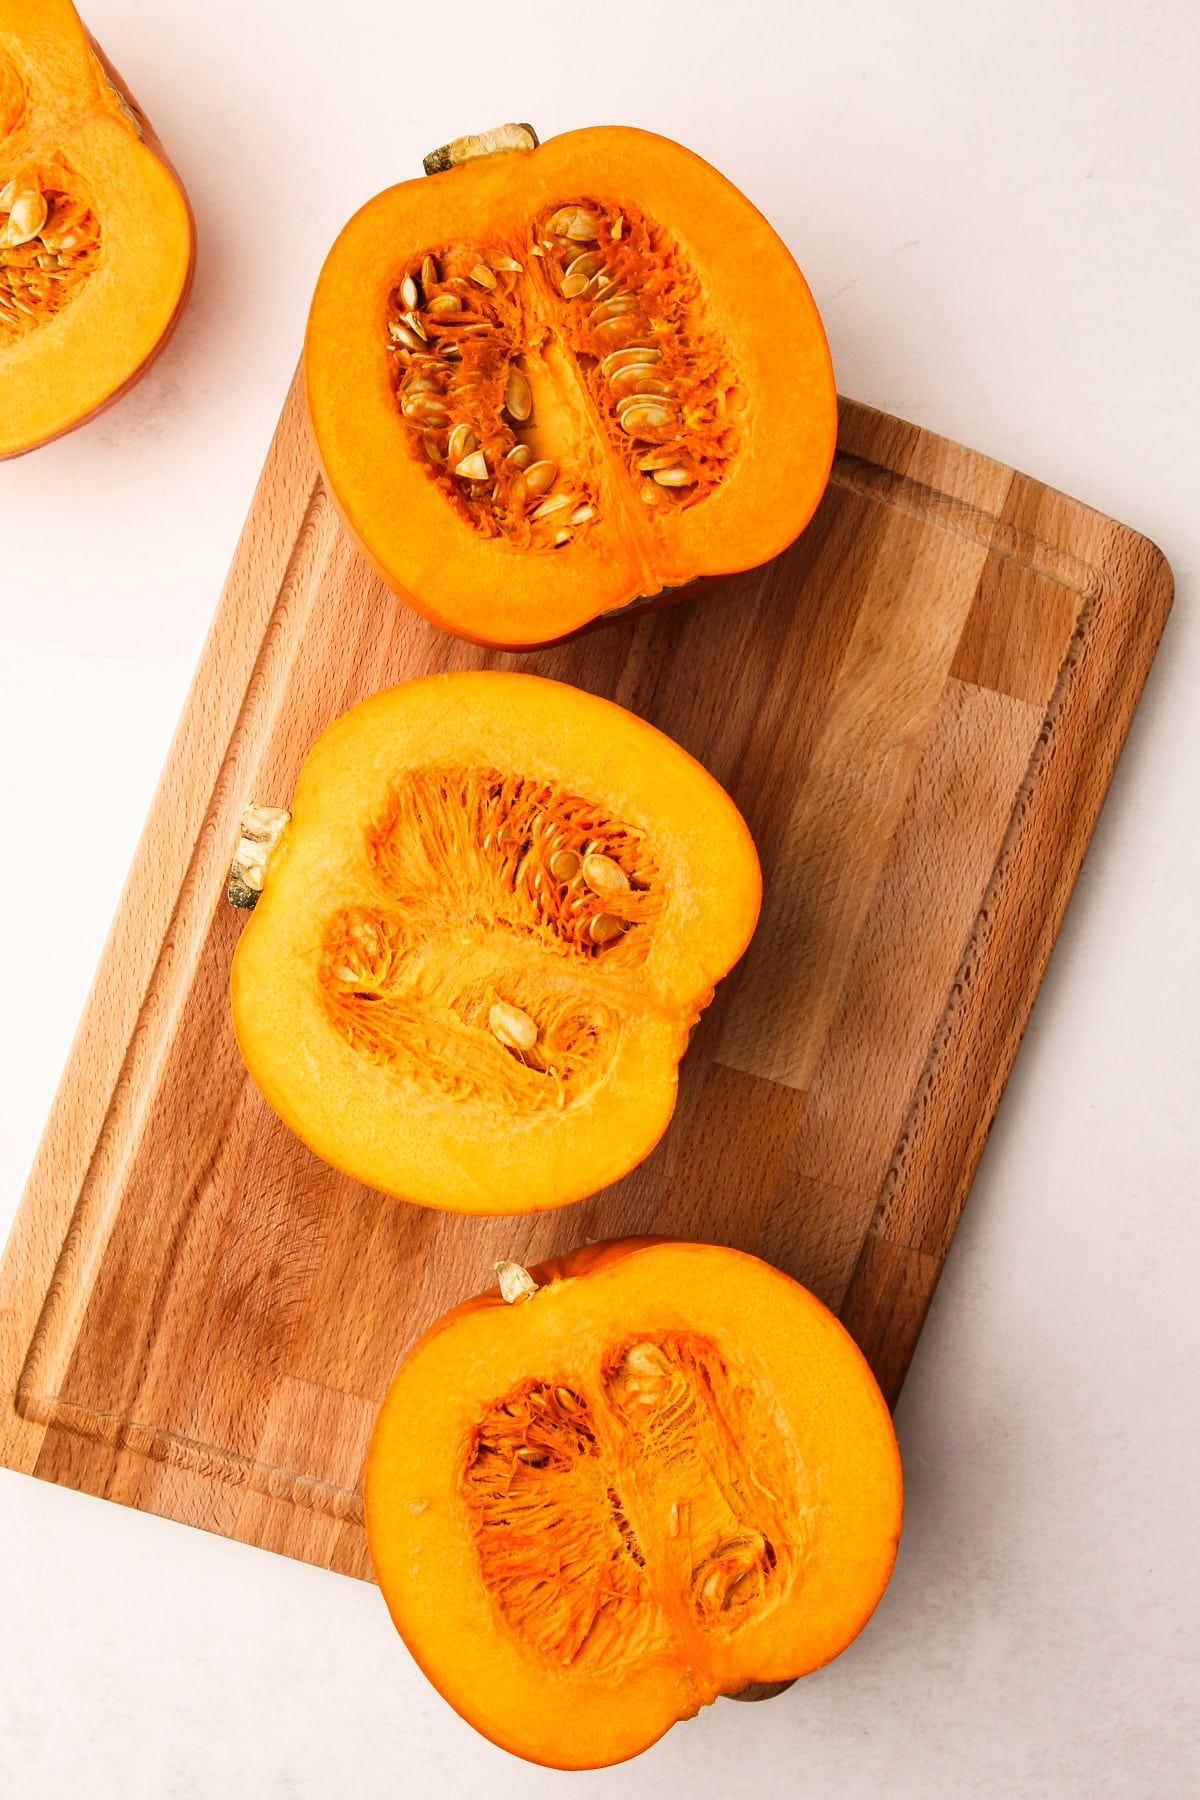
(918, 709)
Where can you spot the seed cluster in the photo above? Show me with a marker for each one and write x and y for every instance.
(455, 333)
(49, 245)
(538, 1491)
(659, 373)
(605, 1510)
(494, 903)
(467, 326)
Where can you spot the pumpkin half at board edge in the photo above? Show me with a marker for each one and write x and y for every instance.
(482, 938)
(96, 236)
(553, 381)
(662, 1474)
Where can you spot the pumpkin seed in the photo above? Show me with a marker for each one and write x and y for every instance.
(640, 417)
(462, 441)
(614, 308)
(674, 478)
(541, 476)
(8, 194)
(483, 275)
(519, 456)
(410, 294)
(604, 928)
(582, 514)
(413, 321)
(432, 449)
(663, 456)
(564, 865)
(442, 305)
(507, 264)
(514, 1028)
(603, 875)
(554, 504)
(632, 353)
(404, 336)
(574, 223)
(518, 396)
(426, 410)
(473, 467)
(637, 378)
(711, 1585)
(567, 1400)
(590, 263)
(646, 1359)
(27, 215)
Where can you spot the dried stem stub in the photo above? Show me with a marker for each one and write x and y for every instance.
(516, 1283)
(261, 829)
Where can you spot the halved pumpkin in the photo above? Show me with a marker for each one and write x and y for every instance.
(96, 237)
(663, 1473)
(549, 381)
(483, 937)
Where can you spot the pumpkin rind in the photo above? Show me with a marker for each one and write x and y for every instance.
(391, 927)
(68, 126)
(753, 307)
(790, 1393)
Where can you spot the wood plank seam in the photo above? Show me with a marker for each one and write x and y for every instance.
(117, 1431)
(960, 517)
(1144, 628)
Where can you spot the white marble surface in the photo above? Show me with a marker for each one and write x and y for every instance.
(997, 210)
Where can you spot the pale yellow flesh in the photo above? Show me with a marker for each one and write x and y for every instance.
(419, 1145)
(420, 1532)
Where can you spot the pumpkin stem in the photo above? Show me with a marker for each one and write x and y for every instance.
(261, 829)
(516, 1283)
(499, 141)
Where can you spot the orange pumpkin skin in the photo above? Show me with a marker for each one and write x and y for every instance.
(484, 936)
(721, 477)
(667, 1475)
(118, 233)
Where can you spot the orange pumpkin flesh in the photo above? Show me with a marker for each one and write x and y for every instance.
(96, 238)
(496, 913)
(545, 384)
(665, 1476)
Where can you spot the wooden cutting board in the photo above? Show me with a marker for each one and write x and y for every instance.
(918, 709)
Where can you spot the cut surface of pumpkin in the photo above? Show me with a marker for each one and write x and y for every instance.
(550, 382)
(482, 938)
(661, 1472)
(96, 240)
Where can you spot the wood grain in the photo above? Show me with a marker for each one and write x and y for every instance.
(918, 709)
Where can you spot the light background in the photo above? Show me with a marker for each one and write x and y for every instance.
(997, 210)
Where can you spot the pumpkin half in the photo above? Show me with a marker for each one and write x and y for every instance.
(483, 936)
(663, 1473)
(96, 240)
(553, 380)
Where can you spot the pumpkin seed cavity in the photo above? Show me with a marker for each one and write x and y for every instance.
(494, 952)
(49, 246)
(658, 1501)
(601, 302)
